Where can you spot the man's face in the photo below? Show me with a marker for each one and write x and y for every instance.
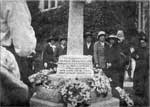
(52, 42)
(101, 38)
(89, 39)
(64, 42)
(143, 43)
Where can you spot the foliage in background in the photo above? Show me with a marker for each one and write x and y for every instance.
(108, 16)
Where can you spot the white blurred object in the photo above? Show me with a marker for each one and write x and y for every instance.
(133, 65)
(125, 96)
(8, 62)
(45, 65)
(132, 49)
(126, 75)
(16, 27)
(108, 65)
(120, 35)
(89, 1)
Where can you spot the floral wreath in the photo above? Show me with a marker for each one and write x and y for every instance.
(100, 83)
(75, 92)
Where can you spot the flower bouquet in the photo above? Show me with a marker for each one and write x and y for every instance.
(100, 86)
(40, 77)
(125, 96)
(76, 93)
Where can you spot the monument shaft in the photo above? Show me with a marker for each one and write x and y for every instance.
(75, 28)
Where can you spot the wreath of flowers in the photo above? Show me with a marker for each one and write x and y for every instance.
(100, 83)
(75, 92)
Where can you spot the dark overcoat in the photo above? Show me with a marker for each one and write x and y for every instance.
(140, 79)
(112, 55)
(88, 51)
(49, 56)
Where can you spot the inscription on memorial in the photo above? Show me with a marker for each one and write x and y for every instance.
(75, 66)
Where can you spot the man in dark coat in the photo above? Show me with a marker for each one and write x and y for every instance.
(62, 48)
(49, 56)
(88, 45)
(140, 79)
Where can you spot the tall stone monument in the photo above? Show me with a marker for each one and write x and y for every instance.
(75, 64)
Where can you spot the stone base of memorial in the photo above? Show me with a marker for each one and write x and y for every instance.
(39, 102)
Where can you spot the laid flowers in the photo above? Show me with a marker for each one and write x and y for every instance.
(100, 83)
(125, 96)
(40, 77)
(75, 92)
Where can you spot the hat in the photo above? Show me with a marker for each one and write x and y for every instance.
(87, 34)
(143, 38)
(51, 38)
(63, 38)
(120, 32)
(113, 37)
(101, 33)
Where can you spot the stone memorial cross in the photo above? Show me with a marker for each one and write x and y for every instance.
(75, 64)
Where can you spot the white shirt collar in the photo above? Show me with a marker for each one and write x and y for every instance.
(88, 44)
(53, 46)
(63, 46)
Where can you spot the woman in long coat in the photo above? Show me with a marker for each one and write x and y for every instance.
(114, 61)
(99, 46)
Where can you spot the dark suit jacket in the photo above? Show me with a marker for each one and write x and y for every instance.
(140, 79)
(61, 51)
(88, 51)
(49, 55)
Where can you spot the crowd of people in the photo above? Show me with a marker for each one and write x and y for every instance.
(116, 55)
